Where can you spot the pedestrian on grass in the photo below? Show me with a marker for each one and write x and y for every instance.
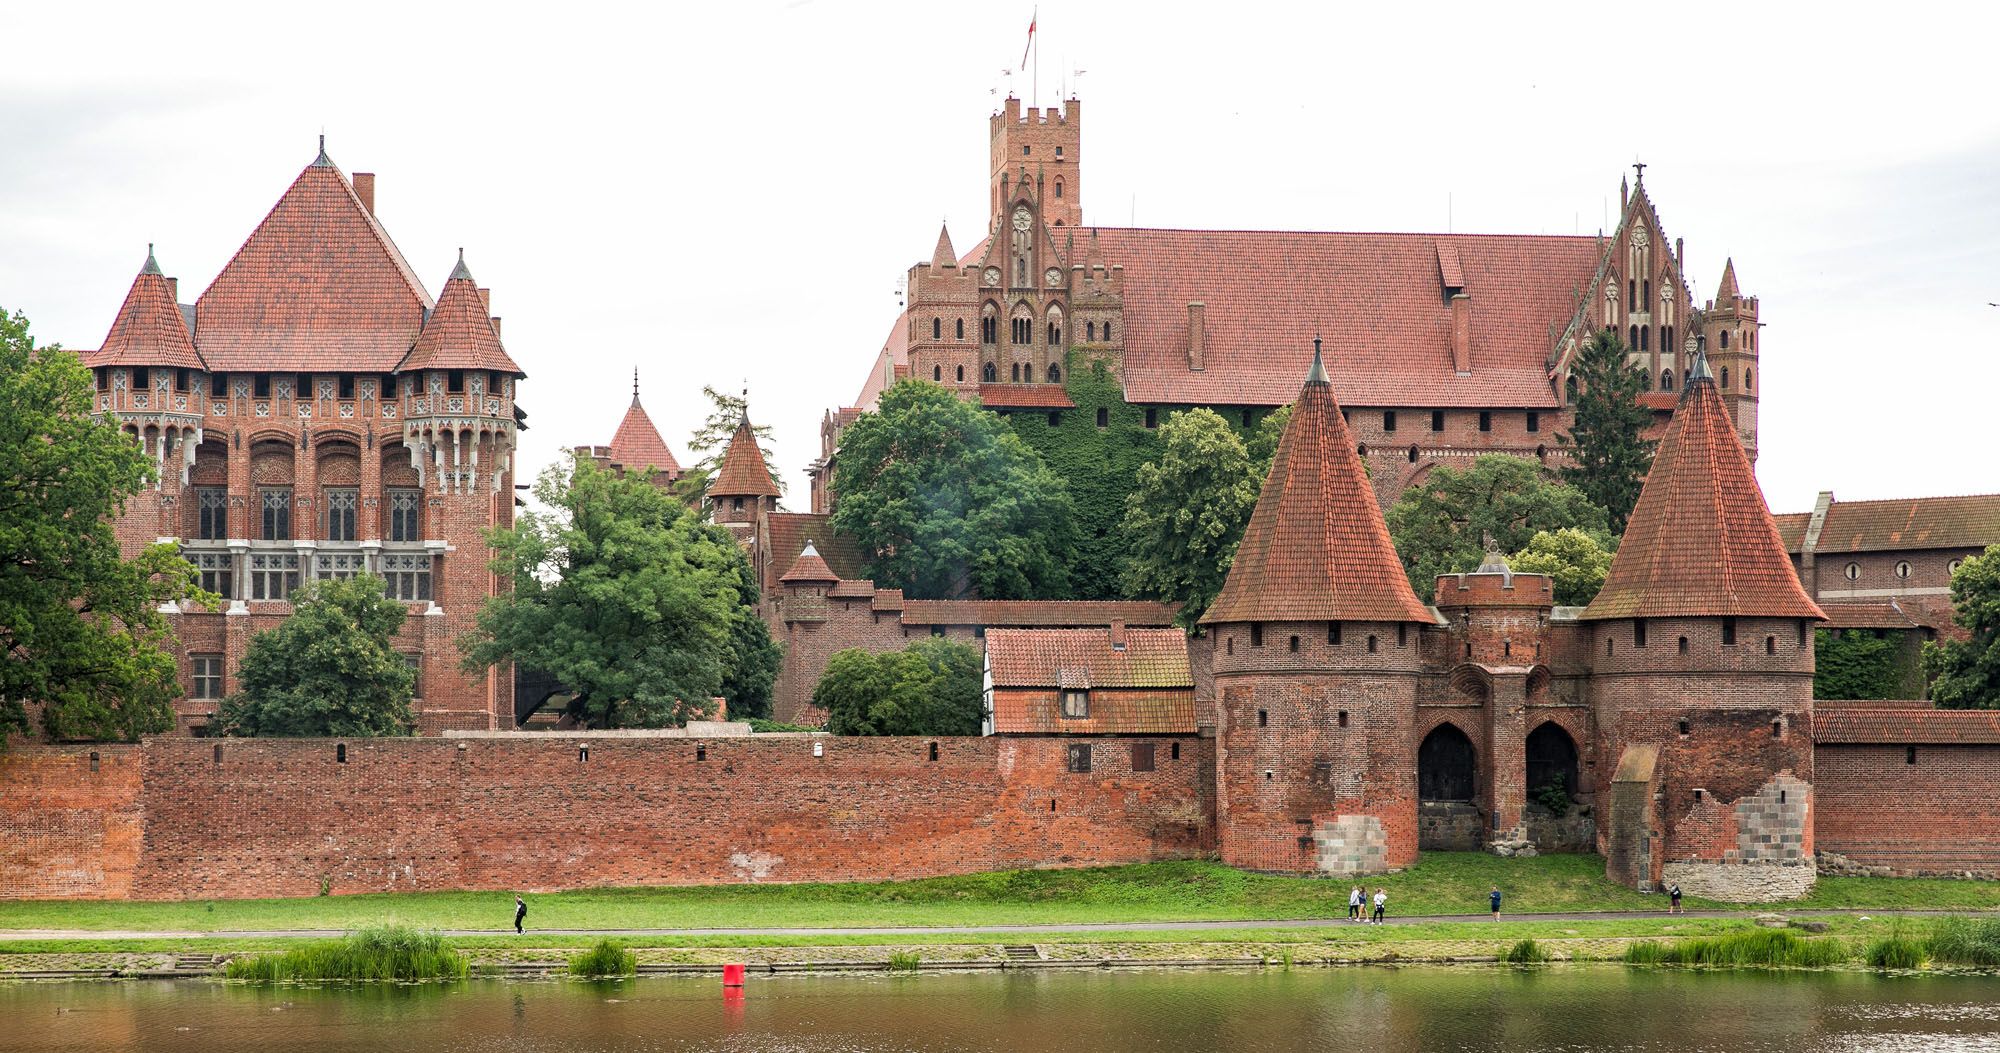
(1354, 898)
(1495, 898)
(1674, 898)
(1381, 901)
(520, 912)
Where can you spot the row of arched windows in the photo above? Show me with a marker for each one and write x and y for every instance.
(1021, 373)
(1021, 327)
(937, 328)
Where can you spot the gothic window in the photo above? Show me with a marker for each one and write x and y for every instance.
(1090, 330)
(340, 505)
(1646, 382)
(1021, 271)
(937, 328)
(990, 374)
(961, 374)
(1059, 190)
(1632, 294)
(273, 575)
(1666, 380)
(404, 515)
(1107, 331)
(1055, 326)
(1646, 339)
(1725, 338)
(1055, 373)
(1725, 378)
(1748, 376)
(218, 573)
(1667, 338)
(1647, 286)
(1017, 372)
(989, 326)
(1633, 343)
(212, 515)
(408, 575)
(277, 508)
(337, 565)
(961, 328)
(937, 372)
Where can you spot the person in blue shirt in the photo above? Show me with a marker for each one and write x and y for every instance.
(1495, 898)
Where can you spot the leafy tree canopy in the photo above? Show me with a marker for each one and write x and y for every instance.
(1852, 663)
(1263, 444)
(948, 502)
(625, 597)
(1575, 560)
(712, 439)
(1440, 526)
(329, 669)
(80, 628)
(1965, 674)
(929, 688)
(1186, 516)
(1610, 459)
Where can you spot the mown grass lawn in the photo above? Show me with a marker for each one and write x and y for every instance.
(1442, 883)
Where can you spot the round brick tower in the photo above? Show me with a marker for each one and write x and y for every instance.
(1317, 659)
(1702, 669)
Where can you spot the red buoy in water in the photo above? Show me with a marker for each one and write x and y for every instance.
(732, 976)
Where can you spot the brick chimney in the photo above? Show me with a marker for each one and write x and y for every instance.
(364, 188)
(486, 300)
(1461, 333)
(174, 290)
(1197, 335)
(1118, 634)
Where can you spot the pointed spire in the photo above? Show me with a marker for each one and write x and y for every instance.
(460, 272)
(1701, 542)
(637, 444)
(1317, 374)
(809, 569)
(743, 471)
(1316, 548)
(1699, 371)
(458, 333)
(635, 385)
(152, 265)
(322, 161)
(1725, 293)
(150, 329)
(944, 255)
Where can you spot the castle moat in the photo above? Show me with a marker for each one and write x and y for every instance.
(1434, 1010)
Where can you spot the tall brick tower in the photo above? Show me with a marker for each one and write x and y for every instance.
(1729, 329)
(1703, 665)
(1317, 661)
(1046, 144)
(743, 490)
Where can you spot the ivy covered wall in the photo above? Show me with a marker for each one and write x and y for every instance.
(1867, 664)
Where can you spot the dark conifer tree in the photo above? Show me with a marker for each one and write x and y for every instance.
(1610, 459)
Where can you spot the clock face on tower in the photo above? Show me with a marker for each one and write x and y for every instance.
(1053, 277)
(992, 276)
(1022, 219)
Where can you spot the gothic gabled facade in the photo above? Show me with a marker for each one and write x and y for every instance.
(316, 414)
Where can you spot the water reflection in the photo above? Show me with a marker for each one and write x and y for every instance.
(1386, 1010)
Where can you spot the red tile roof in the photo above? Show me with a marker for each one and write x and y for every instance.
(1086, 658)
(637, 444)
(1052, 613)
(318, 285)
(1971, 521)
(1024, 396)
(150, 330)
(1316, 548)
(1379, 297)
(1889, 615)
(808, 568)
(1891, 723)
(743, 472)
(1701, 542)
(786, 534)
(458, 333)
(1113, 711)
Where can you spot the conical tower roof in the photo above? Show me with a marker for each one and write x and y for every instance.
(809, 568)
(149, 330)
(1700, 542)
(637, 444)
(1725, 293)
(1316, 548)
(459, 333)
(743, 472)
(944, 255)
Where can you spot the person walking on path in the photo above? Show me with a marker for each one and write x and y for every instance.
(520, 912)
(1495, 898)
(1354, 898)
(1674, 898)
(1381, 900)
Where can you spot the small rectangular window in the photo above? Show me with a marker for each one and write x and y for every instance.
(1909, 755)
(1103, 417)
(1263, 718)
(1142, 756)
(142, 379)
(1075, 703)
(1685, 728)
(1343, 718)
(261, 385)
(1437, 420)
(347, 385)
(218, 386)
(1174, 751)
(207, 675)
(1371, 643)
(1728, 631)
(1055, 418)
(180, 380)
(1402, 634)
(1534, 421)
(1485, 420)
(1388, 420)
(1638, 632)
(1079, 757)
(1333, 632)
(454, 380)
(1256, 634)
(303, 387)
(1152, 417)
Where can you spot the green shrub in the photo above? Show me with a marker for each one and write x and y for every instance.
(1966, 941)
(378, 952)
(1527, 952)
(1895, 952)
(762, 726)
(605, 958)
(1765, 948)
(903, 962)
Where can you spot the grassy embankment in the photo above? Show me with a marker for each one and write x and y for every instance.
(1442, 883)
(376, 953)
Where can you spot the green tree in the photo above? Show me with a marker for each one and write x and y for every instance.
(1440, 527)
(711, 439)
(1186, 515)
(1610, 459)
(754, 658)
(1965, 674)
(329, 669)
(624, 596)
(1575, 560)
(1263, 443)
(1852, 663)
(929, 688)
(948, 502)
(81, 634)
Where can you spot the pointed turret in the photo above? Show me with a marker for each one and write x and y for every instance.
(1725, 291)
(149, 330)
(944, 256)
(459, 334)
(743, 472)
(1316, 548)
(1700, 542)
(1094, 259)
(809, 569)
(637, 443)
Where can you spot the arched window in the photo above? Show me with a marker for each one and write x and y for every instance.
(1725, 378)
(937, 328)
(961, 374)
(1055, 326)
(1090, 330)
(1569, 389)
(1647, 287)
(1632, 295)
(1752, 338)
(1059, 190)
(1445, 770)
(1748, 376)
(1667, 339)
(1633, 343)
(989, 326)
(1646, 339)
(937, 372)
(1666, 380)
(1552, 756)
(1107, 331)
(961, 328)
(1646, 382)
(1024, 325)
(1055, 373)
(990, 374)
(1017, 372)
(1725, 338)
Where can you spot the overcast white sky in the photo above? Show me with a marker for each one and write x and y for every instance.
(729, 192)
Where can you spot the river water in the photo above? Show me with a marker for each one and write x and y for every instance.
(1368, 1010)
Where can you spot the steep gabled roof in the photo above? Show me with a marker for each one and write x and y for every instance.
(458, 334)
(1156, 658)
(318, 285)
(1316, 548)
(743, 472)
(1725, 291)
(785, 535)
(1701, 542)
(149, 330)
(809, 569)
(1968, 521)
(943, 257)
(637, 444)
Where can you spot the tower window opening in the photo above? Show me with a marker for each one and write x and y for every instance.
(1770, 645)
(1343, 718)
(1017, 372)
(1638, 632)
(1263, 718)
(1256, 634)
(961, 374)
(960, 325)
(1632, 294)
(1684, 645)
(1534, 421)
(1777, 729)
(1295, 645)
(218, 386)
(1802, 634)
(1371, 643)
(1748, 376)
(1333, 632)
(1402, 634)
(937, 372)
(1646, 339)
(1437, 420)
(937, 328)
(1686, 729)
(1485, 420)
(1728, 632)
(1174, 751)
(1725, 338)
(1103, 417)
(1388, 420)
(1090, 330)
(1725, 378)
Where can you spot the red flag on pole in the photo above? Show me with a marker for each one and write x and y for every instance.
(1031, 40)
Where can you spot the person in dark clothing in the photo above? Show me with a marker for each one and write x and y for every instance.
(1495, 899)
(1674, 899)
(520, 911)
